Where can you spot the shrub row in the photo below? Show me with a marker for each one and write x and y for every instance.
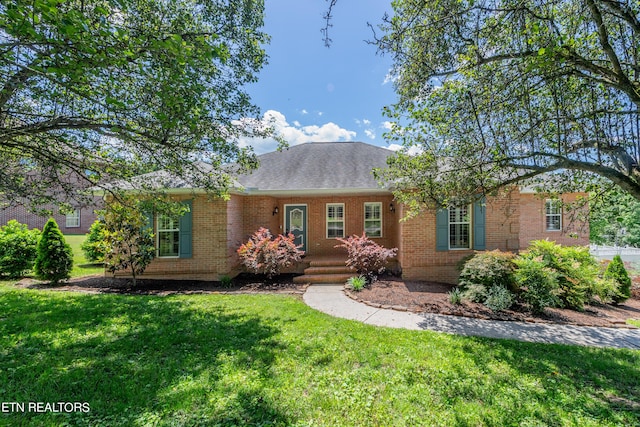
(545, 275)
(46, 253)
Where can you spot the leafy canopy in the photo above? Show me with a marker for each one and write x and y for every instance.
(495, 92)
(104, 89)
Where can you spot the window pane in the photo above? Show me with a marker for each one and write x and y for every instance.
(168, 243)
(168, 236)
(553, 222)
(459, 214)
(73, 219)
(335, 229)
(459, 236)
(373, 228)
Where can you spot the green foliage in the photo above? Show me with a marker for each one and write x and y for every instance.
(365, 256)
(575, 268)
(499, 298)
(264, 254)
(55, 257)
(538, 283)
(489, 269)
(167, 77)
(95, 246)
(18, 249)
(357, 283)
(226, 281)
(614, 218)
(495, 93)
(455, 296)
(618, 273)
(486, 276)
(129, 239)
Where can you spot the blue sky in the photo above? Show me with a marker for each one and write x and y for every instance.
(314, 93)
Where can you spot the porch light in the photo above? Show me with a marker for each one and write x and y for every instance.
(391, 207)
(275, 211)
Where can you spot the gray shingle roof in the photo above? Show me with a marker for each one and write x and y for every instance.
(318, 166)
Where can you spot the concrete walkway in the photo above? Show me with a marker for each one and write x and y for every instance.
(332, 300)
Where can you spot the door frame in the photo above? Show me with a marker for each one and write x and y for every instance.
(305, 246)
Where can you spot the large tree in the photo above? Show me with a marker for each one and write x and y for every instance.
(104, 89)
(495, 92)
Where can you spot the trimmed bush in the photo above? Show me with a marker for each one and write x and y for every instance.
(485, 271)
(618, 274)
(18, 249)
(95, 246)
(499, 298)
(55, 258)
(538, 284)
(365, 256)
(575, 268)
(489, 269)
(267, 255)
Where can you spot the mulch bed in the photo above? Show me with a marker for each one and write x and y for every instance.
(245, 283)
(432, 297)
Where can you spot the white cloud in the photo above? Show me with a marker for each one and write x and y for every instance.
(295, 134)
(389, 78)
(304, 111)
(414, 149)
(366, 122)
(387, 125)
(370, 133)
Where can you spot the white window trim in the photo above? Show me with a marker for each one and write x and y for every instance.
(327, 220)
(364, 219)
(470, 222)
(158, 230)
(547, 214)
(75, 217)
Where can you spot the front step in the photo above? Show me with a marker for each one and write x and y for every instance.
(329, 269)
(323, 278)
(325, 270)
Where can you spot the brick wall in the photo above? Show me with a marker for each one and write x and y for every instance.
(575, 227)
(419, 258)
(24, 216)
(220, 227)
(211, 227)
(317, 241)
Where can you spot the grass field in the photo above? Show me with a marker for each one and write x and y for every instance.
(81, 267)
(267, 360)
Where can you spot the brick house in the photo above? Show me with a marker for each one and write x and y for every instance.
(320, 191)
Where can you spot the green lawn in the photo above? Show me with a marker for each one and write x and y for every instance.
(81, 267)
(269, 360)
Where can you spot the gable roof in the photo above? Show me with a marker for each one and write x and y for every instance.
(318, 167)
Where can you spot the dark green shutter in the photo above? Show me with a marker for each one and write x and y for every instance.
(479, 225)
(186, 234)
(442, 230)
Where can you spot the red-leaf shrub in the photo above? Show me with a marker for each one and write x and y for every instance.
(266, 255)
(365, 256)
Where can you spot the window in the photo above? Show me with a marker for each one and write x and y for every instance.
(72, 219)
(460, 227)
(335, 220)
(168, 236)
(373, 219)
(553, 214)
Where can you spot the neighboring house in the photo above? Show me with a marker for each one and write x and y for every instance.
(321, 191)
(76, 221)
